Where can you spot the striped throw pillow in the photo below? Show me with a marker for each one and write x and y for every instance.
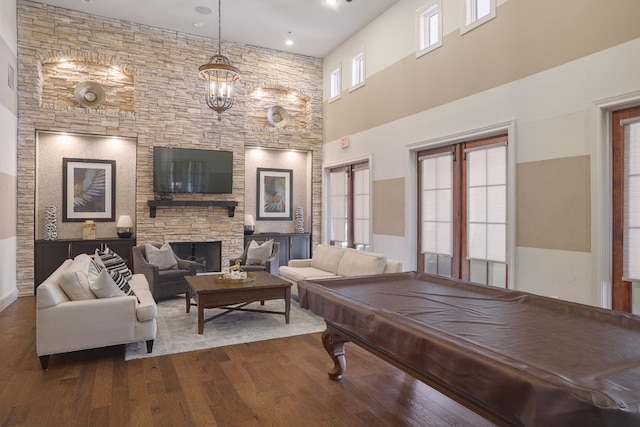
(114, 262)
(122, 283)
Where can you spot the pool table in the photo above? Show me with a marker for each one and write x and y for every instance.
(513, 357)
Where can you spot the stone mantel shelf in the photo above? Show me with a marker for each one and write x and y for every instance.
(230, 205)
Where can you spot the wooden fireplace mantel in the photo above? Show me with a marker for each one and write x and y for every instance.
(230, 205)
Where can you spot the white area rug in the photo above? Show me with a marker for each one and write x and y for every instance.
(178, 330)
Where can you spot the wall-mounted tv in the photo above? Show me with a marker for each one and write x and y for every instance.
(186, 170)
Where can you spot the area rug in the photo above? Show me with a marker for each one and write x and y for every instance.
(178, 330)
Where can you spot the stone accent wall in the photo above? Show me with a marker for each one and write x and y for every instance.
(168, 110)
(59, 79)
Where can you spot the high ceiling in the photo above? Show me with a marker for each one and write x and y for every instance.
(315, 27)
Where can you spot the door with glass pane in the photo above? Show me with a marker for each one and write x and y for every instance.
(463, 211)
(439, 227)
(625, 210)
(349, 199)
(485, 206)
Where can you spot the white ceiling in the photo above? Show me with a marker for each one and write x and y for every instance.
(316, 28)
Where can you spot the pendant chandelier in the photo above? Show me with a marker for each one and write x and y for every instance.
(220, 78)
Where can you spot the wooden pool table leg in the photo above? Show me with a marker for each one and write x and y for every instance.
(334, 345)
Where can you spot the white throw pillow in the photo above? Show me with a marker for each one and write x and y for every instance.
(105, 287)
(162, 258)
(94, 270)
(257, 254)
(80, 263)
(76, 285)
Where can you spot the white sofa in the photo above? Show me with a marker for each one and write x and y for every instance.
(64, 325)
(331, 261)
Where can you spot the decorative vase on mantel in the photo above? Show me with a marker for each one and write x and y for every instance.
(299, 220)
(51, 223)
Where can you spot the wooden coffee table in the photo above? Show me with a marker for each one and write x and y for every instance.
(209, 293)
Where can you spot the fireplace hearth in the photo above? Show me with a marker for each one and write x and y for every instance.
(207, 255)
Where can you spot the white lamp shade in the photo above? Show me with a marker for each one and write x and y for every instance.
(125, 221)
(248, 220)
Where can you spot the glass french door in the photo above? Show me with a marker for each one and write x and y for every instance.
(463, 211)
(349, 205)
(625, 193)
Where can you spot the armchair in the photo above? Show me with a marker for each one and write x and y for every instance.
(163, 282)
(271, 265)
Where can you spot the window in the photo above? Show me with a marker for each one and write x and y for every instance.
(429, 27)
(463, 211)
(625, 200)
(357, 71)
(349, 203)
(336, 84)
(477, 12)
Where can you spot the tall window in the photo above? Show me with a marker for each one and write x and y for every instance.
(349, 201)
(336, 84)
(357, 71)
(477, 12)
(429, 27)
(625, 202)
(463, 211)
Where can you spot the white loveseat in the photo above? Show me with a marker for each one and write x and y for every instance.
(64, 325)
(331, 261)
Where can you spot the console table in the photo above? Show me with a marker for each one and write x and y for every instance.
(292, 245)
(50, 254)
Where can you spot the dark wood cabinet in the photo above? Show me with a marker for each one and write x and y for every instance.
(50, 254)
(292, 245)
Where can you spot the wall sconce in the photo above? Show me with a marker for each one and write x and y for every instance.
(249, 224)
(125, 226)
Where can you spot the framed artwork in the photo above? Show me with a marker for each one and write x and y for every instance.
(274, 197)
(88, 190)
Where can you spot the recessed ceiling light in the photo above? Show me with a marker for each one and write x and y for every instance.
(87, 1)
(198, 24)
(331, 2)
(289, 42)
(204, 10)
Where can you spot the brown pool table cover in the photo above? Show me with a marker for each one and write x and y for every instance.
(540, 360)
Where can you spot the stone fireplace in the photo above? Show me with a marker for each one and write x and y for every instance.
(207, 255)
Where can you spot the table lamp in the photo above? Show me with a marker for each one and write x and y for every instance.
(249, 224)
(125, 226)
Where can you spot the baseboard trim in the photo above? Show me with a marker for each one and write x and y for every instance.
(7, 299)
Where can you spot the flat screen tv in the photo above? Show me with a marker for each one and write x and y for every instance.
(186, 170)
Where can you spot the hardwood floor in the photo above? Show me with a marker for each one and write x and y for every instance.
(280, 382)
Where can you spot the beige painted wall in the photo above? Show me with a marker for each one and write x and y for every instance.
(526, 38)
(554, 204)
(7, 208)
(8, 147)
(540, 71)
(8, 95)
(8, 122)
(389, 207)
